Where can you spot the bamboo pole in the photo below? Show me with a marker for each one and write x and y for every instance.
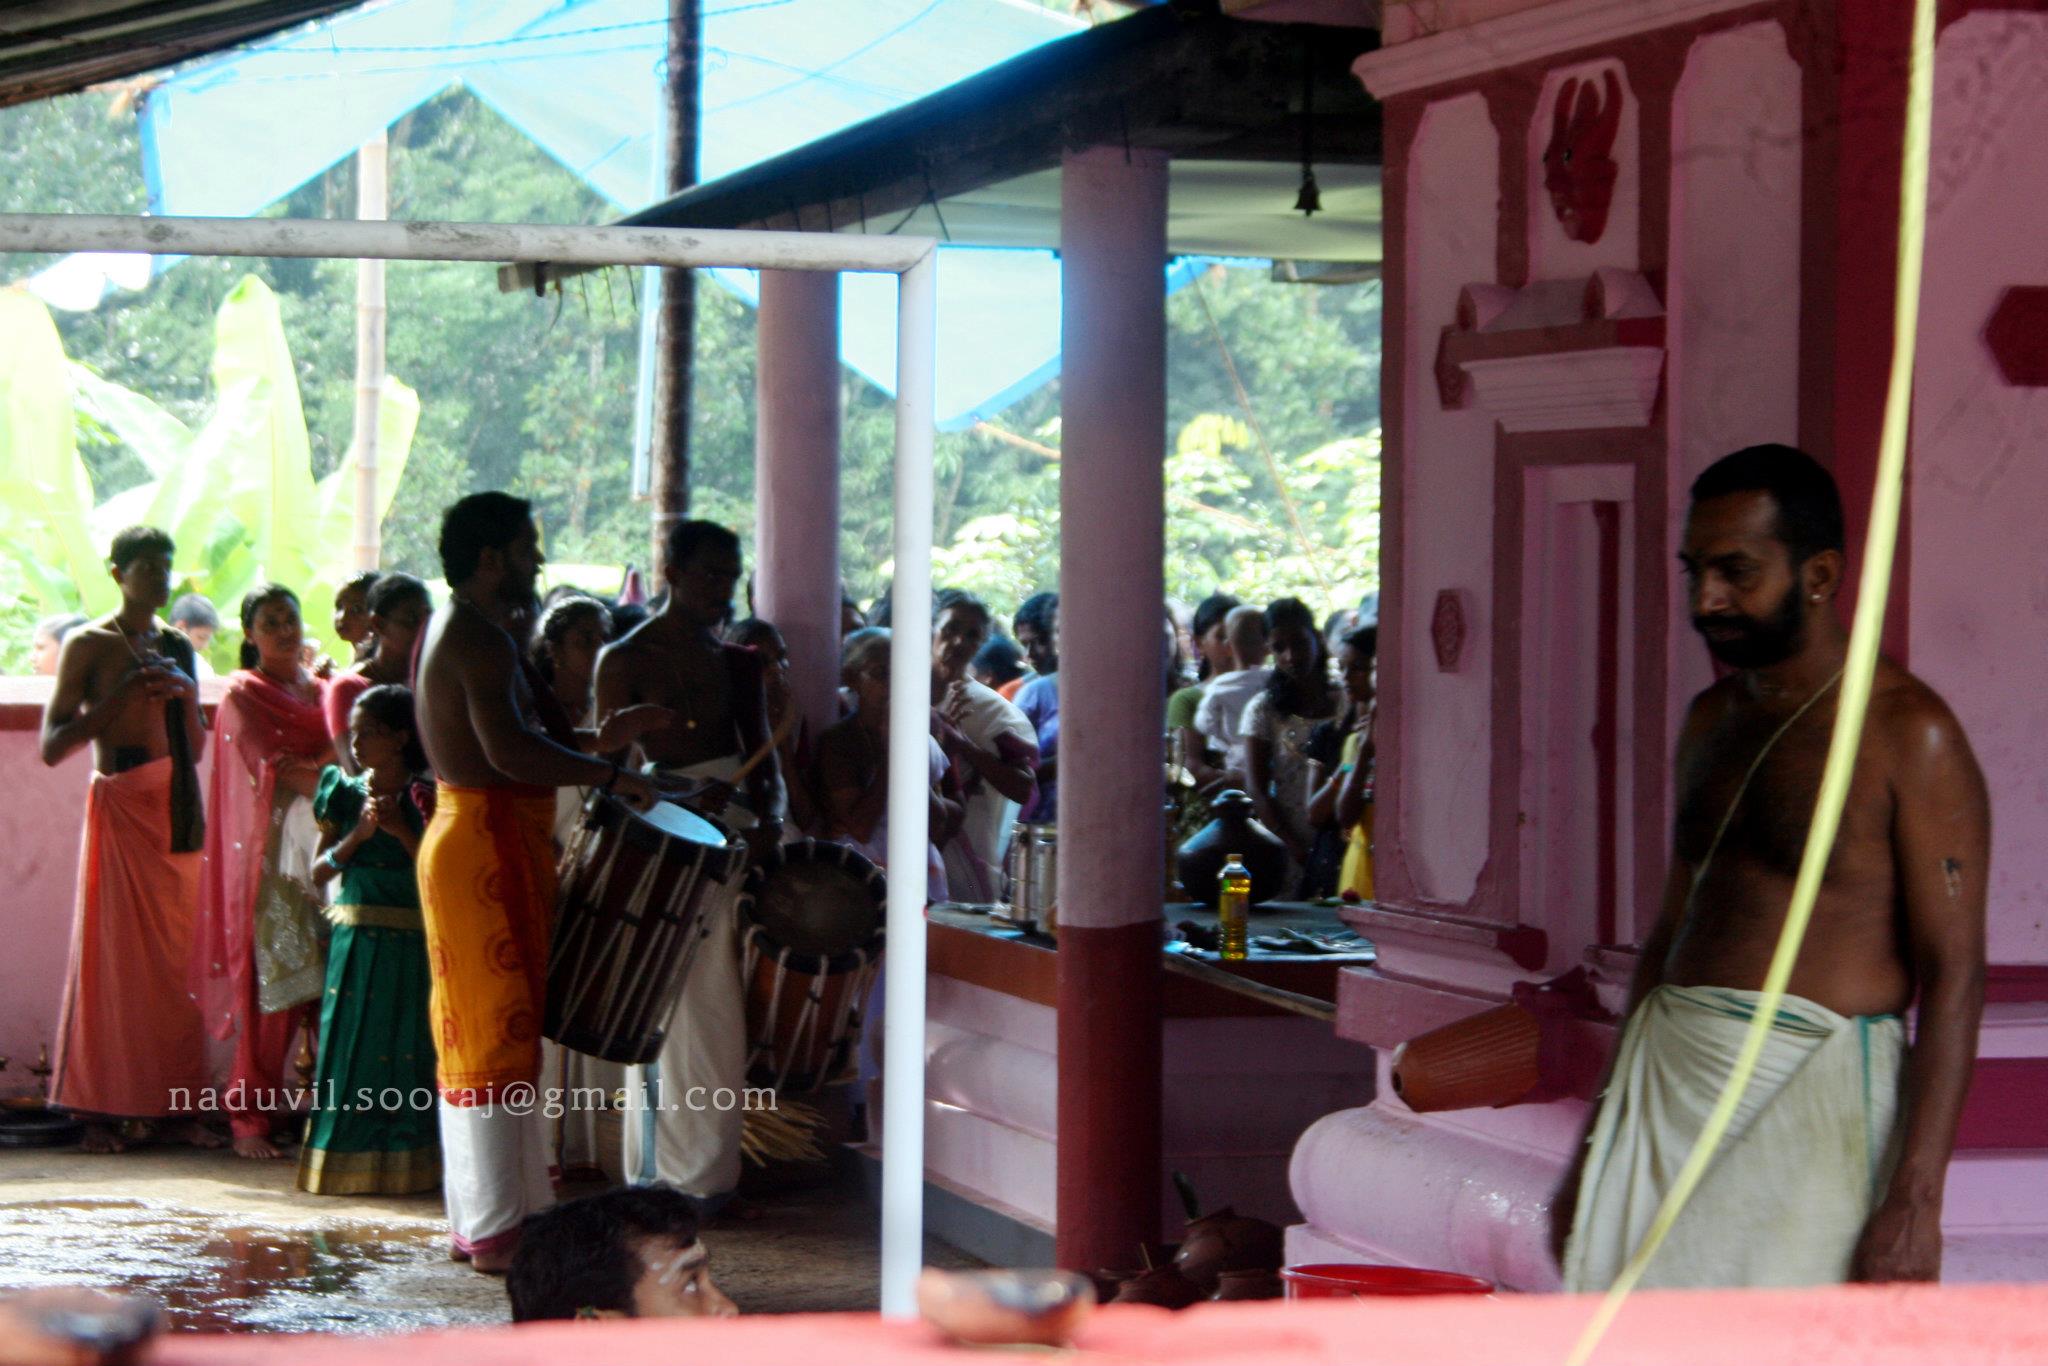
(373, 203)
(492, 243)
(676, 330)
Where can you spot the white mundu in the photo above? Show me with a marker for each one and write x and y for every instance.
(696, 1147)
(1794, 1181)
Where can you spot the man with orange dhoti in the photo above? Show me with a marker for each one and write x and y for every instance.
(487, 873)
(129, 1043)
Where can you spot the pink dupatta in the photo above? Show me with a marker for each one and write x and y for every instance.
(259, 725)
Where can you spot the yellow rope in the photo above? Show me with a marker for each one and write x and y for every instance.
(1861, 668)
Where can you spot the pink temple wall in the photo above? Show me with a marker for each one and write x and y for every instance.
(1733, 376)
(1979, 568)
(1728, 201)
(40, 824)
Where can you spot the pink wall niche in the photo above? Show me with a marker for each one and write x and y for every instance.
(1577, 713)
(1442, 772)
(1979, 539)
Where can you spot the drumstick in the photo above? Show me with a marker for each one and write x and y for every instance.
(760, 756)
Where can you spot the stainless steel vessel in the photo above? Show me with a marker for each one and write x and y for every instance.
(1032, 864)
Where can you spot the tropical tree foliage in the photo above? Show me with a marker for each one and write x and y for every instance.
(237, 495)
(536, 395)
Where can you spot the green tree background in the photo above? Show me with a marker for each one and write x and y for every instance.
(535, 395)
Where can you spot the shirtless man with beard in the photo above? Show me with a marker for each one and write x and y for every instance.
(1834, 1167)
(486, 869)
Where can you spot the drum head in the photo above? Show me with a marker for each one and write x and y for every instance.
(817, 900)
(682, 823)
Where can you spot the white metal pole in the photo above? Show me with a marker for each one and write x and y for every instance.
(564, 244)
(373, 202)
(910, 663)
(650, 301)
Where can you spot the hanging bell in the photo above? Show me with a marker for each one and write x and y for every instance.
(1310, 199)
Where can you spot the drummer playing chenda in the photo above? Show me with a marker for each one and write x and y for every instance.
(487, 872)
(676, 1133)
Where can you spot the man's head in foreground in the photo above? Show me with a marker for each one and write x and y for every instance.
(629, 1253)
(1762, 554)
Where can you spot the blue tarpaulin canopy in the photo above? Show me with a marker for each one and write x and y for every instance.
(583, 79)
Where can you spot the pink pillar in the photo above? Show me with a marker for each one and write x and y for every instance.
(1112, 706)
(796, 480)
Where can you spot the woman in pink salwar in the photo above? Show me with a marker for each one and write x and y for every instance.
(259, 960)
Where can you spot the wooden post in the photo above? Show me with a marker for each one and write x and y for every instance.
(373, 202)
(677, 330)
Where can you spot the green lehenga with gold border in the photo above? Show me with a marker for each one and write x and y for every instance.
(374, 1129)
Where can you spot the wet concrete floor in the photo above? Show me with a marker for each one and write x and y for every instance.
(228, 1245)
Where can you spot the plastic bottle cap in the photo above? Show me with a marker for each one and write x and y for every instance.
(1233, 858)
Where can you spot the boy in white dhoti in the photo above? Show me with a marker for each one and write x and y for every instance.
(674, 1131)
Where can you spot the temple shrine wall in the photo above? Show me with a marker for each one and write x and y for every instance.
(1671, 236)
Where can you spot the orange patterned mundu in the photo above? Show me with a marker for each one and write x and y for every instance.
(487, 893)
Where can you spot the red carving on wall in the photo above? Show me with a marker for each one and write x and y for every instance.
(1578, 165)
(2017, 334)
(1447, 629)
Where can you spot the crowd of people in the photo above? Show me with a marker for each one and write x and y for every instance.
(341, 943)
(374, 862)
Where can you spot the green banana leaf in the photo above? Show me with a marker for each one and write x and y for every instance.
(152, 433)
(237, 495)
(46, 493)
(243, 497)
(398, 417)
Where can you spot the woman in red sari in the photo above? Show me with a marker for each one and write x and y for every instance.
(259, 953)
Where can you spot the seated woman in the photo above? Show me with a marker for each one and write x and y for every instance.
(1275, 733)
(1341, 759)
(374, 1128)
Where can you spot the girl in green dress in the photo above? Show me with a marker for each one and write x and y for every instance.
(373, 1129)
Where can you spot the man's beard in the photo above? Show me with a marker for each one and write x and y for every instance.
(521, 607)
(1760, 641)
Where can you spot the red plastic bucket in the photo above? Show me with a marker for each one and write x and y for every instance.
(1348, 1280)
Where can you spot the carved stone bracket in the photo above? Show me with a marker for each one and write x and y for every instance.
(1556, 355)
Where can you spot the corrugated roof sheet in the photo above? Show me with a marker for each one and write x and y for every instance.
(53, 47)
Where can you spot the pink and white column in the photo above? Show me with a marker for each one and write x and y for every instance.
(1112, 705)
(796, 480)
